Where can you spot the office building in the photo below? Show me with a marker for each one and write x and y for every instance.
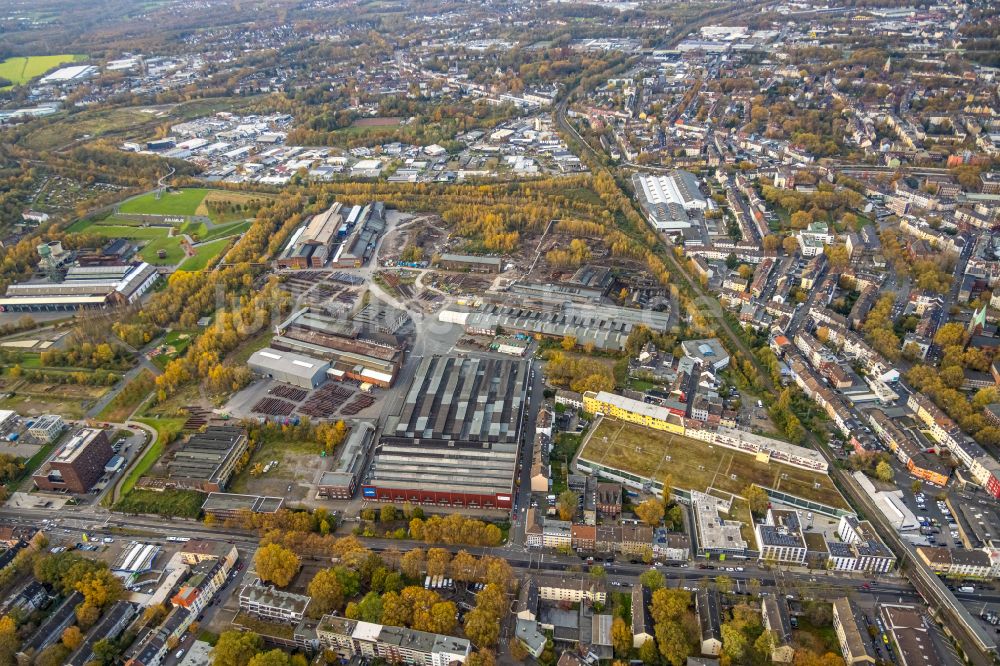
(77, 464)
(273, 605)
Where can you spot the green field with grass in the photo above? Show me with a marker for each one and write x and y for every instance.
(698, 465)
(171, 503)
(20, 70)
(166, 430)
(123, 404)
(195, 201)
(223, 231)
(204, 254)
(182, 202)
(154, 239)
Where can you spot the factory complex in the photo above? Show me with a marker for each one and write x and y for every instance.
(454, 440)
(72, 287)
(342, 236)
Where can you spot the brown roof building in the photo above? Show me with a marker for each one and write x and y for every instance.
(77, 464)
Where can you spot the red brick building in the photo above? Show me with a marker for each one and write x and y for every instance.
(77, 464)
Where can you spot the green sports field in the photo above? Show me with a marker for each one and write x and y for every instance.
(20, 70)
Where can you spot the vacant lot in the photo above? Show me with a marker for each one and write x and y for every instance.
(179, 503)
(35, 398)
(381, 121)
(23, 69)
(697, 465)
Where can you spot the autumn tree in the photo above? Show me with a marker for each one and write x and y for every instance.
(650, 511)
(271, 658)
(517, 650)
(883, 471)
(276, 564)
(481, 627)
(790, 244)
(437, 561)
(414, 563)
(621, 637)
(758, 499)
(326, 591)
(369, 609)
(464, 566)
(567, 504)
(652, 579)
(72, 637)
(236, 648)
(9, 641)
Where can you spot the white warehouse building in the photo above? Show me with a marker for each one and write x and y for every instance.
(296, 369)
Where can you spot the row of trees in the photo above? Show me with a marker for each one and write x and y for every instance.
(87, 355)
(245, 648)
(455, 529)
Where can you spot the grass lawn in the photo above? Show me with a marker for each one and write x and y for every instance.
(204, 254)
(155, 239)
(819, 639)
(224, 231)
(130, 397)
(166, 429)
(583, 195)
(190, 201)
(246, 350)
(697, 465)
(183, 202)
(223, 217)
(22, 69)
(179, 503)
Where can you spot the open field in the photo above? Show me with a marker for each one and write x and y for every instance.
(88, 125)
(180, 503)
(22, 69)
(698, 465)
(191, 201)
(69, 400)
(225, 196)
(183, 202)
(223, 231)
(204, 254)
(380, 121)
(159, 238)
(123, 404)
